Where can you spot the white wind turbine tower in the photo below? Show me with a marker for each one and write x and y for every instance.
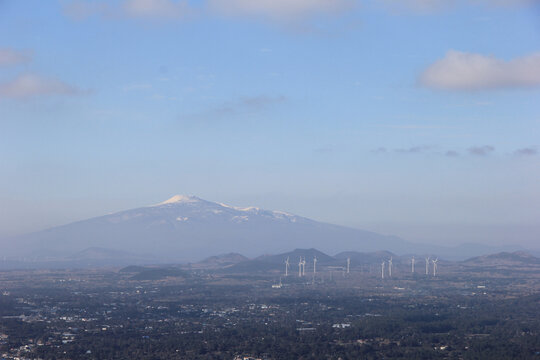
(348, 264)
(435, 266)
(382, 270)
(314, 265)
(427, 265)
(287, 267)
(412, 264)
(390, 267)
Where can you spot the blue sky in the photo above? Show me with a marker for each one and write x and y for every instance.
(419, 118)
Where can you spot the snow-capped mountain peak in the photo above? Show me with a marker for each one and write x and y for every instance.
(176, 199)
(188, 227)
(203, 206)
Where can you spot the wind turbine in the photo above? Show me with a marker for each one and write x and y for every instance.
(390, 267)
(287, 267)
(348, 264)
(435, 266)
(382, 270)
(427, 265)
(412, 265)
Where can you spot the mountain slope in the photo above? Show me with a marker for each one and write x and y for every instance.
(186, 228)
(267, 263)
(503, 258)
(219, 261)
(366, 258)
(295, 255)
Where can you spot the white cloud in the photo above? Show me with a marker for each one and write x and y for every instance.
(431, 6)
(467, 71)
(508, 2)
(13, 57)
(81, 9)
(141, 9)
(31, 85)
(156, 9)
(481, 150)
(279, 9)
(421, 6)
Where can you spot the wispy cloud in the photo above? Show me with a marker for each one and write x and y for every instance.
(137, 86)
(481, 150)
(508, 2)
(380, 150)
(156, 9)
(466, 71)
(245, 105)
(248, 104)
(410, 150)
(476, 151)
(434, 6)
(259, 102)
(414, 149)
(419, 6)
(135, 9)
(528, 151)
(32, 85)
(287, 11)
(279, 9)
(451, 153)
(414, 127)
(14, 57)
(81, 9)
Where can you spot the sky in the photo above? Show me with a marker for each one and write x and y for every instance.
(418, 118)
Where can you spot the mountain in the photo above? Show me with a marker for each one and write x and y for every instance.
(219, 261)
(366, 258)
(159, 274)
(185, 228)
(503, 258)
(265, 263)
(295, 255)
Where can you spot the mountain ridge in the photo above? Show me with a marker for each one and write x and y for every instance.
(185, 228)
(516, 257)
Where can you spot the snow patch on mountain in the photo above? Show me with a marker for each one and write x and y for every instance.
(180, 199)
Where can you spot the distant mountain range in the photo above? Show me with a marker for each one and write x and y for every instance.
(187, 228)
(365, 262)
(360, 261)
(503, 258)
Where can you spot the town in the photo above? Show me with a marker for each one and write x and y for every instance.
(486, 308)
